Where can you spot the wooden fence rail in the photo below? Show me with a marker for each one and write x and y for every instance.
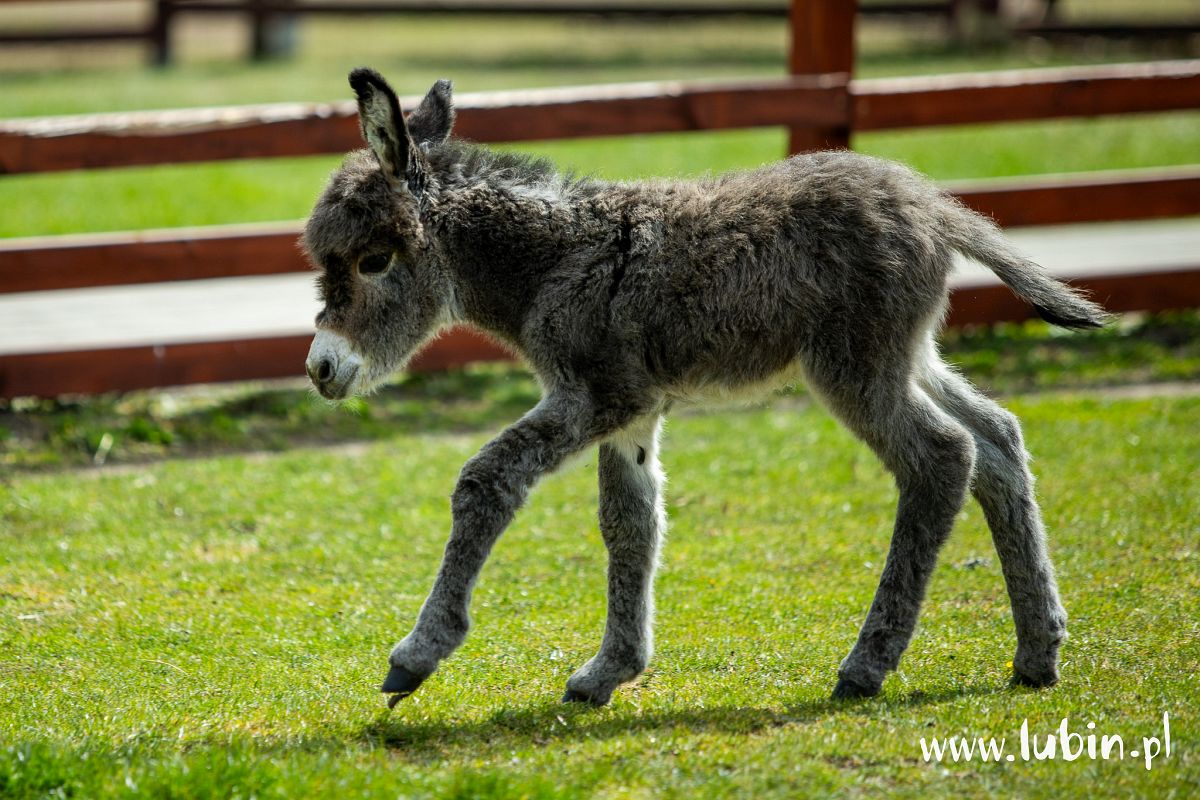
(297, 129)
(149, 366)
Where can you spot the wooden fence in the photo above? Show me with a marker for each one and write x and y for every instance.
(820, 103)
(263, 14)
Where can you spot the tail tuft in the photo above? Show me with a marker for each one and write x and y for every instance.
(1056, 302)
(1075, 322)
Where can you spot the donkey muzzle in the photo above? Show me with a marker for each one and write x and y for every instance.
(333, 366)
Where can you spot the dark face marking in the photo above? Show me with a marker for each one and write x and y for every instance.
(641, 457)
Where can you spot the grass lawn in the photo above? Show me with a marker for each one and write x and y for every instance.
(218, 627)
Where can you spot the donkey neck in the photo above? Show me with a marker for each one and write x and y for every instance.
(503, 223)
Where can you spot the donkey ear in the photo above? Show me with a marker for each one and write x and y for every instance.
(382, 124)
(431, 122)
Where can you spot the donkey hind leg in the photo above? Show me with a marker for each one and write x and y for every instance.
(931, 457)
(1003, 486)
(632, 522)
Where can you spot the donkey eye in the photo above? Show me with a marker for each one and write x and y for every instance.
(373, 265)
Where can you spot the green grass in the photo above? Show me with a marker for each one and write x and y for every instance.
(218, 627)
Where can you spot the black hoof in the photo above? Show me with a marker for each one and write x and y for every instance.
(400, 683)
(575, 696)
(1034, 681)
(849, 690)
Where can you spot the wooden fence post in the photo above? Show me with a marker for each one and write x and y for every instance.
(822, 42)
(160, 33)
(272, 29)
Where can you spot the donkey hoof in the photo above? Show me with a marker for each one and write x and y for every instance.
(1035, 680)
(400, 683)
(847, 689)
(577, 696)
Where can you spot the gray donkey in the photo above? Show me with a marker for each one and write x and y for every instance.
(627, 298)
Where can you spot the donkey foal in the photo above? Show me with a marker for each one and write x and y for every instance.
(626, 298)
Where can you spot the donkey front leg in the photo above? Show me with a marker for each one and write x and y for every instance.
(491, 487)
(632, 521)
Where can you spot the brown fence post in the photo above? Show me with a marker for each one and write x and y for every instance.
(160, 33)
(822, 42)
(258, 17)
(272, 28)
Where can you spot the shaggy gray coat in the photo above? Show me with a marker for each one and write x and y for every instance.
(626, 298)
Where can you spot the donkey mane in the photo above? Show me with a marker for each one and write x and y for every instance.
(474, 161)
(458, 162)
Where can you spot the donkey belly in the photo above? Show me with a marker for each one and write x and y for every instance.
(724, 345)
(699, 390)
(744, 334)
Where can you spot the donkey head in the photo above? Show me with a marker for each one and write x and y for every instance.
(384, 292)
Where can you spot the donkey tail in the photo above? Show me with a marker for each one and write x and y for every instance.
(1059, 304)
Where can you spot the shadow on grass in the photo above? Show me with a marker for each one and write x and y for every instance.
(209, 766)
(566, 722)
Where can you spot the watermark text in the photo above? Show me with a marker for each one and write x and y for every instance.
(1061, 744)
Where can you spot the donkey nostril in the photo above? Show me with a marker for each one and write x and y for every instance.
(324, 370)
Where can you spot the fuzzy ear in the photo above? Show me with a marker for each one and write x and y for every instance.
(431, 122)
(383, 125)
